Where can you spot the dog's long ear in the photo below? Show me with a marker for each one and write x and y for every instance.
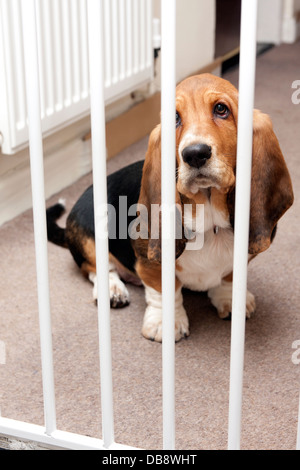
(272, 192)
(150, 198)
(271, 186)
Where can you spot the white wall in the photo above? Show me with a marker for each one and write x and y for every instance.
(290, 27)
(277, 21)
(195, 35)
(270, 14)
(196, 21)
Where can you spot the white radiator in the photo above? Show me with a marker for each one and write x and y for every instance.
(63, 52)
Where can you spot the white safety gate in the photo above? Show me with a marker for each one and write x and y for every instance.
(48, 434)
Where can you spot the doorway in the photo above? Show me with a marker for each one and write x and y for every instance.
(228, 24)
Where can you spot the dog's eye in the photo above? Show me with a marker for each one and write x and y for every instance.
(178, 119)
(221, 110)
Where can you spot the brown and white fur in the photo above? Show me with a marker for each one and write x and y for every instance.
(206, 138)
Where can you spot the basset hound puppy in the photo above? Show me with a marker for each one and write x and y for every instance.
(206, 138)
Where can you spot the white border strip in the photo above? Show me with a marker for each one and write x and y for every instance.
(242, 210)
(96, 61)
(298, 434)
(39, 207)
(168, 168)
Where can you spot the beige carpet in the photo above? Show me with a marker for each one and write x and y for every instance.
(271, 382)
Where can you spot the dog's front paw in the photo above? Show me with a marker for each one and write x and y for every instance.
(181, 324)
(250, 304)
(221, 298)
(152, 325)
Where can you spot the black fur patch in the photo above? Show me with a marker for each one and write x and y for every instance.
(125, 182)
(55, 233)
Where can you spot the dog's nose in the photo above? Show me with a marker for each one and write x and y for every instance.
(196, 155)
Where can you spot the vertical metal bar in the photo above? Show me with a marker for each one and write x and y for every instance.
(96, 60)
(39, 210)
(242, 209)
(168, 165)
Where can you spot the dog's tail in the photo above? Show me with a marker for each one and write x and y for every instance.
(55, 233)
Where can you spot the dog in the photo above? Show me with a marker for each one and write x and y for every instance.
(206, 146)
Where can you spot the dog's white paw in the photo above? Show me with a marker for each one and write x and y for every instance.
(250, 304)
(152, 324)
(119, 295)
(93, 280)
(181, 324)
(221, 298)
